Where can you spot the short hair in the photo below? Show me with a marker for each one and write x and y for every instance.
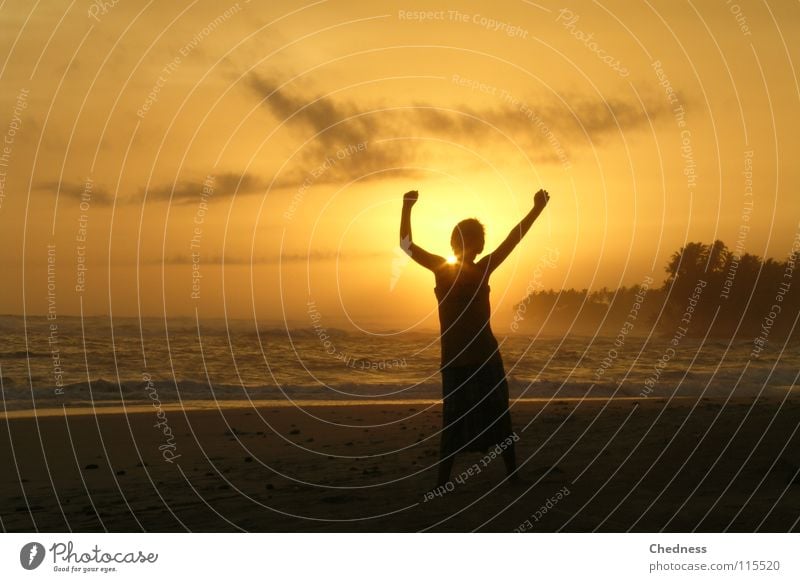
(468, 234)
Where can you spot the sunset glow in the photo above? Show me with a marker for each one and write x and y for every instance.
(306, 165)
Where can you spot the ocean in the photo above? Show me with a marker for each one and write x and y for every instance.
(74, 363)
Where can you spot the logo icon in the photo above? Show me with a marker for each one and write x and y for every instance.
(31, 555)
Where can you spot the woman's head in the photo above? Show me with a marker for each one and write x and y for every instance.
(467, 238)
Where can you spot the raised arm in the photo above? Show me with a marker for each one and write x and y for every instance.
(496, 258)
(421, 256)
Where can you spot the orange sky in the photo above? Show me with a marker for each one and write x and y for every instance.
(639, 118)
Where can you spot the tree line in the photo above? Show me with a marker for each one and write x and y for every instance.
(709, 289)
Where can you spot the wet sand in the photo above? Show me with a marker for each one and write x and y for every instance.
(599, 465)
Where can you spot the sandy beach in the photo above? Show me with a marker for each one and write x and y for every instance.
(592, 465)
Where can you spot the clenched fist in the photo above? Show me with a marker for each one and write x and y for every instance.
(540, 199)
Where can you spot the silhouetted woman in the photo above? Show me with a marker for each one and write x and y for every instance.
(474, 387)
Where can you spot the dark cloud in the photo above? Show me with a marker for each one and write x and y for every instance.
(576, 119)
(181, 192)
(548, 130)
(94, 194)
(224, 185)
(333, 126)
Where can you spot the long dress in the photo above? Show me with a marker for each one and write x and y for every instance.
(474, 387)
